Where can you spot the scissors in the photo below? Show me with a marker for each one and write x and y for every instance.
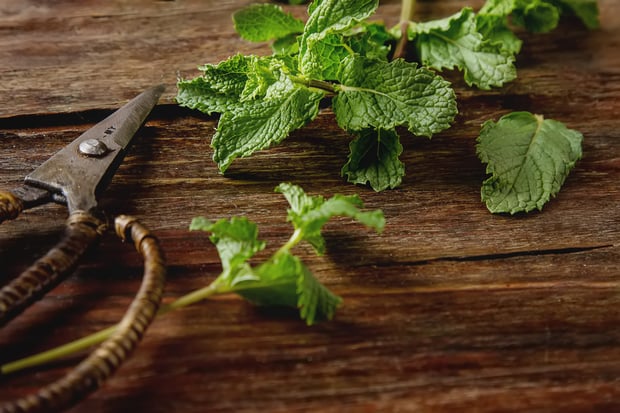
(75, 176)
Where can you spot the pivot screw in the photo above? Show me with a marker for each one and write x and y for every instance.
(93, 147)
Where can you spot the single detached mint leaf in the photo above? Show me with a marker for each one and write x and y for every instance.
(456, 42)
(378, 94)
(374, 159)
(286, 281)
(260, 123)
(264, 22)
(528, 158)
(328, 17)
(309, 213)
(236, 240)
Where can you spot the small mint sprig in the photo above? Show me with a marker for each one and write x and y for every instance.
(281, 280)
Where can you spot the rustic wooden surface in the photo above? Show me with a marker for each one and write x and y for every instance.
(450, 309)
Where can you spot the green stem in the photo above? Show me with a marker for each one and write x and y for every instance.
(102, 335)
(407, 10)
(314, 83)
(292, 241)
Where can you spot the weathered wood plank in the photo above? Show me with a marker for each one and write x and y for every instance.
(450, 309)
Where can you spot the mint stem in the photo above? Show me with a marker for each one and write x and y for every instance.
(314, 83)
(102, 335)
(407, 10)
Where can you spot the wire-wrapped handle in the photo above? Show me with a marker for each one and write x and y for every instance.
(81, 232)
(10, 206)
(104, 360)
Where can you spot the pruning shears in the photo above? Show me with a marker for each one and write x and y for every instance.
(75, 176)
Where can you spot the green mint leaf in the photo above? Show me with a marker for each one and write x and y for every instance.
(328, 17)
(315, 301)
(501, 8)
(264, 22)
(286, 46)
(495, 30)
(324, 55)
(309, 213)
(456, 42)
(528, 158)
(374, 159)
(286, 281)
(378, 94)
(537, 16)
(333, 16)
(586, 10)
(236, 240)
(219, 88)
(260, 123)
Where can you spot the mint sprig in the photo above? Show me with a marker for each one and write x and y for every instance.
(338, 55)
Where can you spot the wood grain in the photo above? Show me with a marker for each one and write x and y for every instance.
(450, 309)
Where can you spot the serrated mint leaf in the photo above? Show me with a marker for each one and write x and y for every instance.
(286, 46)
(236, 240)
(495, 30)
(333, 16)
(286, 281)
(323, 56)
(528, 157)
(309, 213)
(224, 87)
(378, 94)
(328, 17)
(264, 22)
(260, 123)
(218, 89)
(374, 159)
(456, 42)
(315, 301)
(537, 16)
(497, 7)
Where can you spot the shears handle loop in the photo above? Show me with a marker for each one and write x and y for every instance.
(82, 231)
(10, 206)
(88, 375)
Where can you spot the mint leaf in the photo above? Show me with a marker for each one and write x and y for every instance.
(283, 280)
(456, 42)
(260, 123)
(324, 55)
(378, 94)
(309, 213)
(374, 159)
(329, 17)
(495, 30)
(218, 89)
(264, 22)
(528, 158)
(286, 281)
(537, 16)
(236, 240)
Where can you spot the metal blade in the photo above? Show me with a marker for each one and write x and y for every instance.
(83, 168)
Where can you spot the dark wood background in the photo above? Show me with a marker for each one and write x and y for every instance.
(450, 309)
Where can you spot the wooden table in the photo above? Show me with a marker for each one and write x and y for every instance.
(450, 309)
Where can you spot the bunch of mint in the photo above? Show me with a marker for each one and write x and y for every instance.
(341, 57)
